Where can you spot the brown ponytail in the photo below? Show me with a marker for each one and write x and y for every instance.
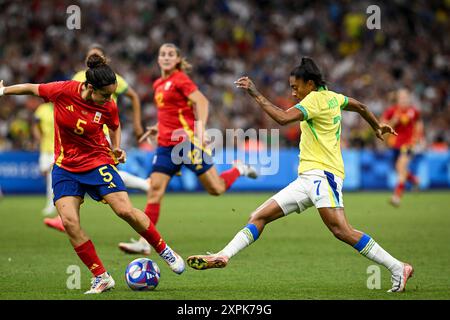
(99, 74)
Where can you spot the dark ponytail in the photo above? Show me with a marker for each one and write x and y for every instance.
(308, 70)
(99, 74)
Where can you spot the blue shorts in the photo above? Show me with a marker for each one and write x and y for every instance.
(97, 182)
(168, 160)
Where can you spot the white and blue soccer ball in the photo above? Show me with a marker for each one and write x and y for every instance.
(142, 274)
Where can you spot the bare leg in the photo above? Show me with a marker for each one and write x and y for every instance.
(401, 167)
(120, 203)
(155, 194)
(212, 182)
(336, 221)
(69, 211)
(266, 213)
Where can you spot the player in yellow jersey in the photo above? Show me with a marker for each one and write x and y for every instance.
(130, 180)
(321, 171)
(43, 131)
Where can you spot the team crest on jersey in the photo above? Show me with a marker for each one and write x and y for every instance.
(167, 85)
(97, 117)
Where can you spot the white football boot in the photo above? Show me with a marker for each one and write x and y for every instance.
(245, 169)
(175, 262)
(101, 283)
(399, 280)
(141, 246)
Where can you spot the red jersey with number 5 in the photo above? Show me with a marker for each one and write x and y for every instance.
(80, 144)
(175, 110)
(407, 119)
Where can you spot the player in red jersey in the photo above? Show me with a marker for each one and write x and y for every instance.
(182, 117)
(405, 119)
(131, 181)
(85, 162)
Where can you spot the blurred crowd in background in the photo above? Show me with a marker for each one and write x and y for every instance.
(225, 39)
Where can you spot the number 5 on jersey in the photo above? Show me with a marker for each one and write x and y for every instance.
(79, 129)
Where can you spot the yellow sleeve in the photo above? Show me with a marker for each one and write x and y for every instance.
(80, 76)
(309, 106)
(343, 100)
(41, 111)
(122, 85)
(38, 112)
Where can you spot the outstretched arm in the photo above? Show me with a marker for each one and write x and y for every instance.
(19, 89)
(379, 128)
(201, 110)
(136, 105)
(281, 116)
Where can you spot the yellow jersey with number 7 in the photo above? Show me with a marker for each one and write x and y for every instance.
(320, 146)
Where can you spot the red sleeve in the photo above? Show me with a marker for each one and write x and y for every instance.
(388, 113)
(113, 120)
(185, 85)
(51, 91)
(417, 115)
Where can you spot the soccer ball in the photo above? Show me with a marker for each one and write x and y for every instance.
(142, 274)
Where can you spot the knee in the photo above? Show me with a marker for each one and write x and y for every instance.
(340, 232)
(257, 219)
(125, 212)
(156, 191)
(71, 225)
(215, 189)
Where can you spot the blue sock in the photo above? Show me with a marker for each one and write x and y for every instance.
(364, 244)
(253, 231)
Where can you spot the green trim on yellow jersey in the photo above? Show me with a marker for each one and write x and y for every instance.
(345, 103)
(303, 110)
(311, 126)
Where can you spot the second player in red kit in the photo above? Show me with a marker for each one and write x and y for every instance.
(174, 111)
(405, 119)
(182, 117)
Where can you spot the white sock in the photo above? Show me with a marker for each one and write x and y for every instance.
(134, 182)
(376, 253)
(49, 191)
(241, 240)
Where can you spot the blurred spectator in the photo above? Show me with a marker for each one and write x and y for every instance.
(225, 39)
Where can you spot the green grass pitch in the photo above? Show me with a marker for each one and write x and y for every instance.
(295, 258)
